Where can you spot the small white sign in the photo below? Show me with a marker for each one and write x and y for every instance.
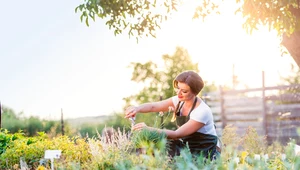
(50, 154)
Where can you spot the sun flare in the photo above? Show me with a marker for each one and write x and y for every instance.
(220, 43)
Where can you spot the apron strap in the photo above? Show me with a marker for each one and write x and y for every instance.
(180, 107)
(194, 104)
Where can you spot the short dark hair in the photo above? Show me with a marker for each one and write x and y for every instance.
(192, 79)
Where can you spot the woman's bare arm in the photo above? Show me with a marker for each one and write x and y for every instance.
(149, 107)
(188, 128)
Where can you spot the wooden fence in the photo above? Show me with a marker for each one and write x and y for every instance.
(273, 111)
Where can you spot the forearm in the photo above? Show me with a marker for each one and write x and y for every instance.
(147, 107)
(188, 128)
(144, 108)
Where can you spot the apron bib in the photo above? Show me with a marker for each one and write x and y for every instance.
(198, 143)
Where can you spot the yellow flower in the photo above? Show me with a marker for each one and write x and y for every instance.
(244, 155)
(40, 167)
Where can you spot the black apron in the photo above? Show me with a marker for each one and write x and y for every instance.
(198, 143)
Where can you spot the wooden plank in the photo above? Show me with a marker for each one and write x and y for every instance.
(219, 132)
(213, 103)
(246, 124)
(217, 118)
(289, 134)
(243, 117)
(244, 101)
(209, 99)
(242, 131)
(211, 94)
(293, 97)
(283, 128)
(218, 124)
(216, 110)
(283, 107)
(282, 123)
(282, 140)
(235, 92)
(257, 110)
(285, 116)
(284, 87)
(242, 97)
(284, 132)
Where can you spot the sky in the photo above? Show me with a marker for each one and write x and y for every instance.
(50, 61)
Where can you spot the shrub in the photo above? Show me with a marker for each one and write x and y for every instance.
(252, 142)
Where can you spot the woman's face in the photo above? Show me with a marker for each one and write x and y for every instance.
(184, 92)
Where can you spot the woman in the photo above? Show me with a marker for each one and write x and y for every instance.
(192, 116)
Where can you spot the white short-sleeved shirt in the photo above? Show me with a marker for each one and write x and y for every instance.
(202, 114)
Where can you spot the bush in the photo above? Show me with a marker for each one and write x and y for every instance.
(121, 152)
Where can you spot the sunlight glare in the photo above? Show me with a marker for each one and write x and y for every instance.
(220, 42)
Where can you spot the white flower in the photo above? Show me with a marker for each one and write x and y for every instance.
(161, 114)
(236, 160)
(171, 108)
(256, 157)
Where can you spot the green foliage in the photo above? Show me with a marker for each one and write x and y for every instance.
(145, 17)
(186, 160)
(8, 113)
(48, 125)
(87, 130)
(116, 121)
(120, 153)
(208, 87)
(160, 82)
(11, 120)
(108, 153)
(73, 149)
(14, 123)
(252, 142)
(32, 149)
(292, 93)
(6, 138)
(34, 125)
(280, 15)
(141, 17)
(229, 136)
(293, 78)
(145, 138)
(230, 141)
(275, 148)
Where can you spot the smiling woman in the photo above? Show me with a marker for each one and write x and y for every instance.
(192, 116)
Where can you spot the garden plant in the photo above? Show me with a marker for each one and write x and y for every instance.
(143, 150)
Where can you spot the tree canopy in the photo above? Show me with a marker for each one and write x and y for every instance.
(143, 17)
(159, 82)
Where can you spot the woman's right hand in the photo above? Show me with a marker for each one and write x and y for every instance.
(131, 111)
(140, 126)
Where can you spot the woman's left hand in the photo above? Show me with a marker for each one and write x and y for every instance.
(139, 126)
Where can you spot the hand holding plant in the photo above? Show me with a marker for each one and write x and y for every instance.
(140, 126)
